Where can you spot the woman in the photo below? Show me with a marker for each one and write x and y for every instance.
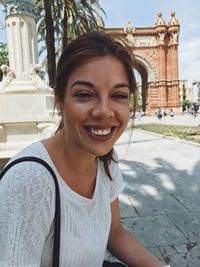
(94, 81)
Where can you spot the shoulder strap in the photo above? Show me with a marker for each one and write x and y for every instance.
(56, 249)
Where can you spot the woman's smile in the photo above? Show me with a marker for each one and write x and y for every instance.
(100, 134)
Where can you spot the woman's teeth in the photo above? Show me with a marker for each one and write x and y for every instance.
(101, 132)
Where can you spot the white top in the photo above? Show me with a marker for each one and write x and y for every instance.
(27, 206)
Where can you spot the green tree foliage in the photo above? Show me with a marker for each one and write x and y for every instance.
(3, 56)
(186, 104)
(60, 21)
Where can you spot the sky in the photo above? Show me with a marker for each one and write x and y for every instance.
(143, 13)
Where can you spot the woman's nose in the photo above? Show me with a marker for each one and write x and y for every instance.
(103, 110)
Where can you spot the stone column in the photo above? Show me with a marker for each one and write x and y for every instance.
(174, 28)
(22, 37)
(161, 31)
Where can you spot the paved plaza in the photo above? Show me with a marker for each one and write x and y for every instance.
(161, 202)
(186, 119)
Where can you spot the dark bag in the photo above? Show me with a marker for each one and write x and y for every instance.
(56, 248)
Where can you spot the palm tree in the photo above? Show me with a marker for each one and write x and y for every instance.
(60, 21)
(50, 42)
(79, 17)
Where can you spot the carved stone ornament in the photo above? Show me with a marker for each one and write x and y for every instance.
(128, 27)
(162, 37)
(130, 39)
(37, 76)
(46, 129)
(24, 7)
(160, 21)
(140, 41)
(173, 20)
(175, 36)
(8, 75)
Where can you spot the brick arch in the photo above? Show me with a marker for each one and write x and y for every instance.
(156, 51)
(148, 66)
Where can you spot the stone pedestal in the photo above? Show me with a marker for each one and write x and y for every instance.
(26, 115)
(26, 100)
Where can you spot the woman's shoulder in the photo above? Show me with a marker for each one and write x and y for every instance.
(28, 175)
(35, 149)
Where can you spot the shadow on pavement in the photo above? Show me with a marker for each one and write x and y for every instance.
(161, 207)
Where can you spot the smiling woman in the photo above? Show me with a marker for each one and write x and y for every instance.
(91, 51)
(94, 82)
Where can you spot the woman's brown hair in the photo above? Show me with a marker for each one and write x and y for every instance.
(77, 52)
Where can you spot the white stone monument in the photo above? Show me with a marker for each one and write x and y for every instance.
(26, 101)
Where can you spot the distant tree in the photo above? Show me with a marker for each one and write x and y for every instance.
(186, 104)
(3, 56)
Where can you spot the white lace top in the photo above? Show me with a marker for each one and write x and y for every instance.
(27, 199)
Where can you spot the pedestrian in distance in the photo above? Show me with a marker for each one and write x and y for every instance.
(93, 85)
(172, 113)
(159, 113)
(164, 113)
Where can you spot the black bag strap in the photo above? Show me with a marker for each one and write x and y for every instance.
(56, 248)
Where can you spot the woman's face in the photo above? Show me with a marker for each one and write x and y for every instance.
(96, 106)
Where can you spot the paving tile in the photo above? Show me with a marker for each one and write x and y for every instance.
(145, 181)
(188, 223)
(127, 210)
(141, 185)
(191, 201)
(160, 204)
(186, 255)
(154, 231)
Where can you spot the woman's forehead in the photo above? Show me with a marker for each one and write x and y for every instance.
(99, 63)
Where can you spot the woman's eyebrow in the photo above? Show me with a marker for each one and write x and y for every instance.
(81, 82)
(90, 84)
(120, 85)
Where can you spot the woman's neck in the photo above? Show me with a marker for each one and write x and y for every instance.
(78, 170)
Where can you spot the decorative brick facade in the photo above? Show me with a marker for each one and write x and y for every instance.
(156, 52)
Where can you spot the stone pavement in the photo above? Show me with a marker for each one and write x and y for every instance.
(161, 202)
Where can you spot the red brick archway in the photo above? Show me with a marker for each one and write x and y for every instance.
(156, 51)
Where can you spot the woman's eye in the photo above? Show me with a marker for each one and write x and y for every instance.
(121, 96)
(83, 94)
